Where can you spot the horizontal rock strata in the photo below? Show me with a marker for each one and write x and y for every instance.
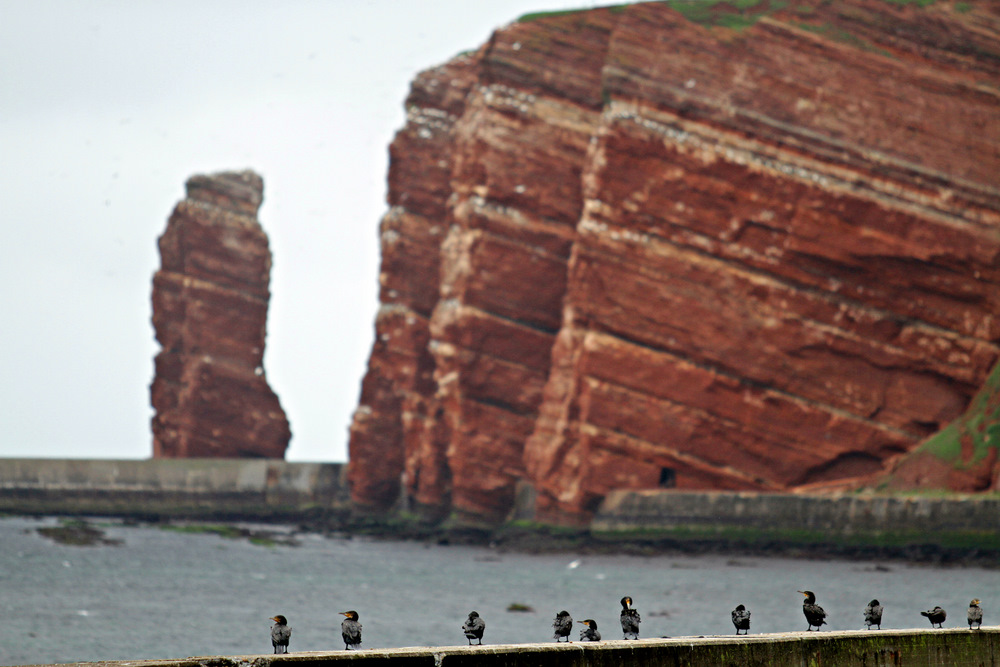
(210, 300)
(647, 245)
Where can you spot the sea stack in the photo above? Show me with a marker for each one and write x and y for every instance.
(210, 300)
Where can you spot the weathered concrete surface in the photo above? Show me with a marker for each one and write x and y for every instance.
(847, 518)
(260, 488)
(951, 647)
(844, 513)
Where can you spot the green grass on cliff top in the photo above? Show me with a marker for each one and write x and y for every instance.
(735, 14)
(980, 425)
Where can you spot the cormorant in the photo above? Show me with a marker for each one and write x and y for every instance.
(975, 614)
(813, 612)
(936, 615)
(562, 625)
(741, 619)
(630, 619)
(589, 633)
(474, 627)
(280, 634)
(350, 630)
(873, 614)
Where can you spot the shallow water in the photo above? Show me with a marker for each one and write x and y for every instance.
(165, 594)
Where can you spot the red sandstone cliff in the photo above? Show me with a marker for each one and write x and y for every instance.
(210, 300)
(736, 250)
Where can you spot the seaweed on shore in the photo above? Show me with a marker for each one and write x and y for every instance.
(264, 538)
(77, 533)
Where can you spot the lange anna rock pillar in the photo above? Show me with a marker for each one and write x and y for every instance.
(210, 299)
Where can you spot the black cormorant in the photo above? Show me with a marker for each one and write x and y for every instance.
(936, 615)
(280, 634)
(350, 630)
(873, 614)
(975, 614)
(630, 619)
(474, 627)
(562, 625)
(813, 612)
(589, 633)
(741, 619)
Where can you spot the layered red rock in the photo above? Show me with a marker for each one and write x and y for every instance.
(755, 258)
(210, 300)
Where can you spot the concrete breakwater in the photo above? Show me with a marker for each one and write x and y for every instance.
(956, 522)
(174, 488)
(949, 647)
(952, 527)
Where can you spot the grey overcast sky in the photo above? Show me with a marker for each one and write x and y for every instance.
(107, 107)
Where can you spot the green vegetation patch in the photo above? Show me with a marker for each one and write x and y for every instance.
(978, 427)
(77, 533)
(534, 16)
(259, 537)
(732, 14)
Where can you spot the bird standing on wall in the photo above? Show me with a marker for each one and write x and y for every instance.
(873, 614)
(350, 630)
(562, 625)
(280, 634)
(813, 612)
(474, 627)
(630, 619)
(935, 615)
(741, 619)
(590, 633)
(975, 614)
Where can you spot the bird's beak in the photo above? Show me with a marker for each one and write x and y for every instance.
(804, 593)
(342, 613)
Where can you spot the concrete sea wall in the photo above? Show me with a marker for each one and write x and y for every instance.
(953, 527)
(190, 488)
(845, 519)
(902, 648)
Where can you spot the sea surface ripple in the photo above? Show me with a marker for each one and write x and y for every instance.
(169, 594)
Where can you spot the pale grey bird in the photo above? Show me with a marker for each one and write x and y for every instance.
(975, 614)
(474, 627)
(280, 634)
(873, 614)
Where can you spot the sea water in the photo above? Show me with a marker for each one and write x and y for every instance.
(167, 594)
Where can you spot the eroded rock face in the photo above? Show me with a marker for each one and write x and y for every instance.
(210, 300)
(640, 249)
